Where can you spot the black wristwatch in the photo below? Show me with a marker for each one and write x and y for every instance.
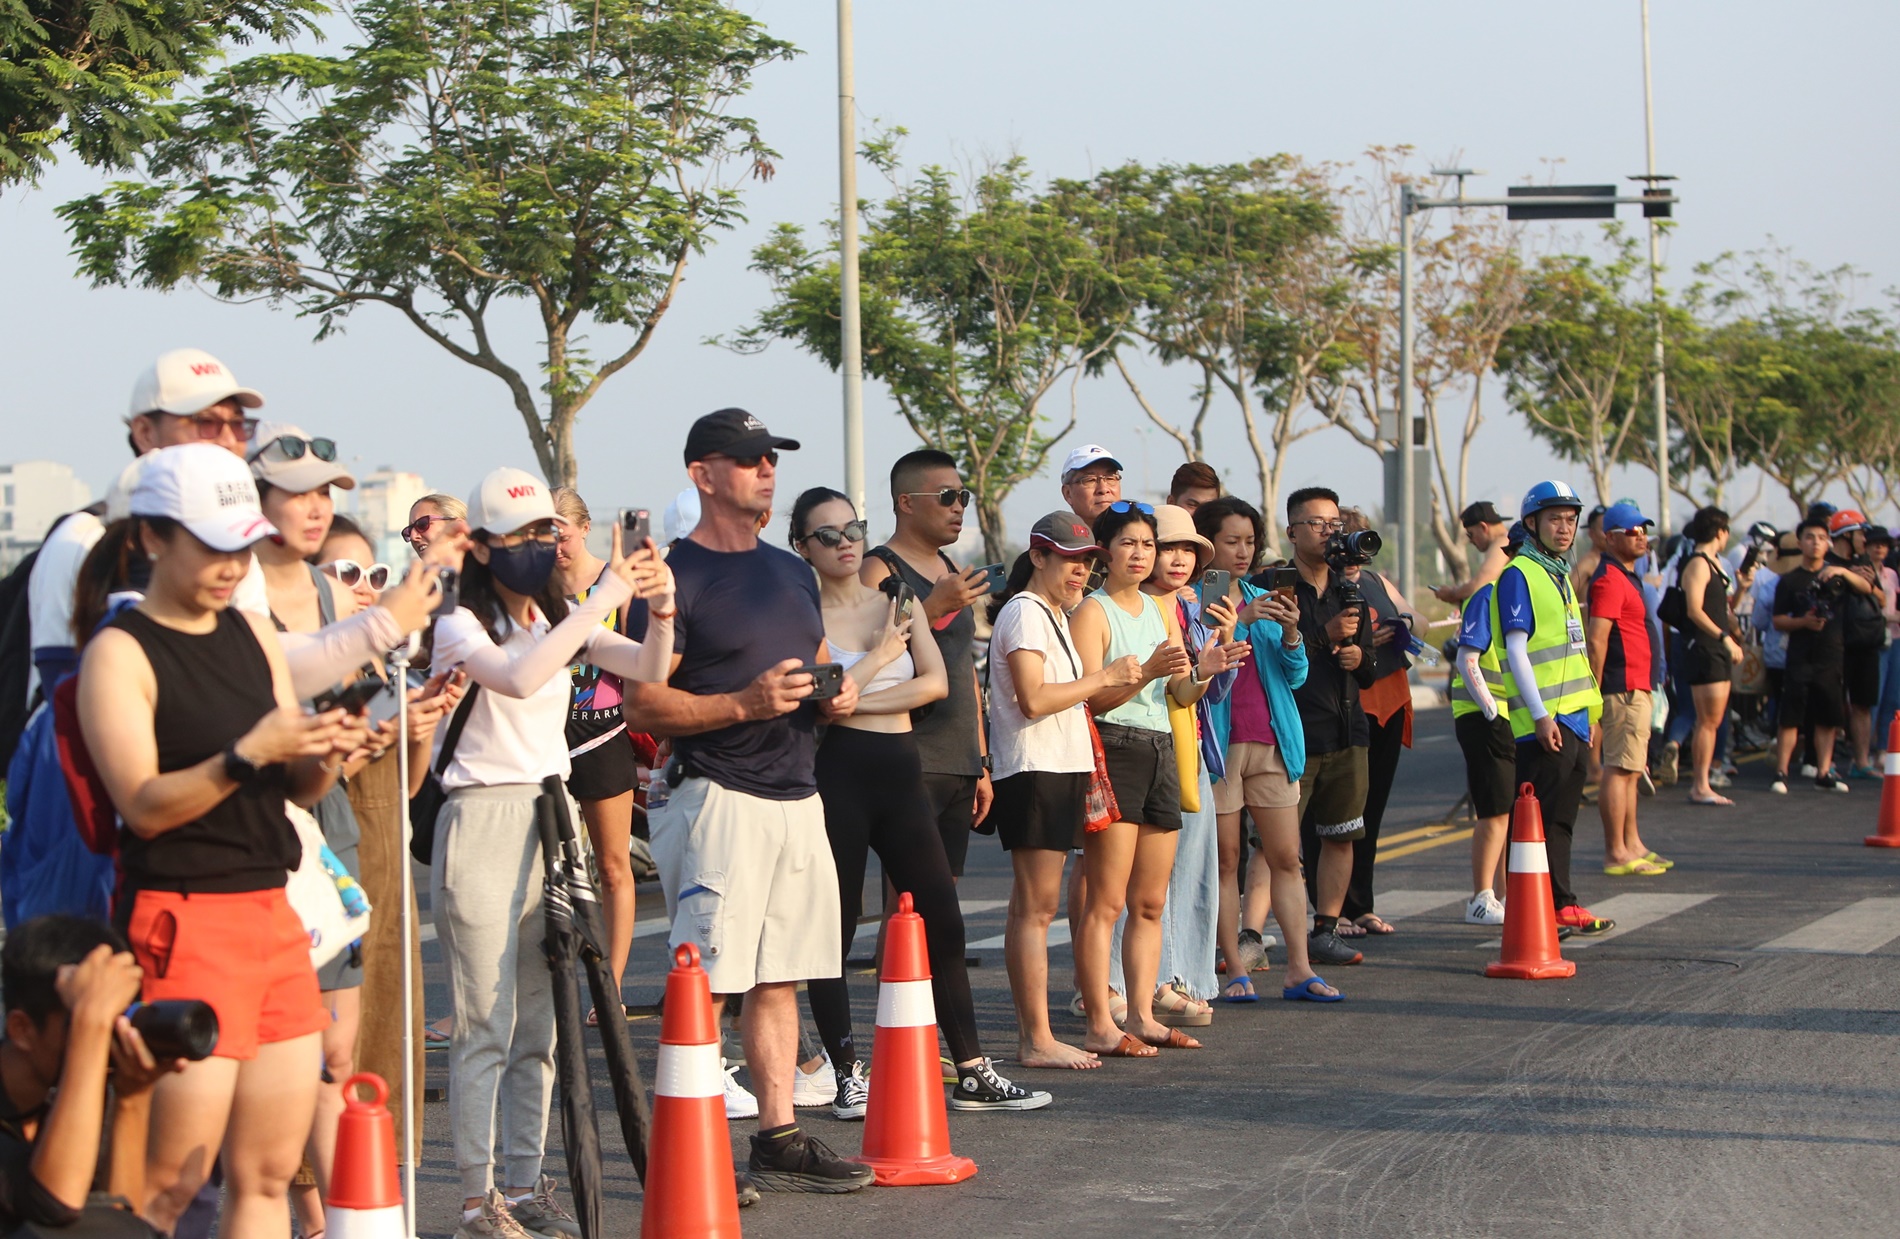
(988, 767)
(238, 768)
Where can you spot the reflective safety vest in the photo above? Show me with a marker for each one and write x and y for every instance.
(1489, 666)
(1558, 656)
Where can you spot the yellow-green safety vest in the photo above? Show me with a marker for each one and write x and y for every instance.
(1561, 663)
(1462, 702)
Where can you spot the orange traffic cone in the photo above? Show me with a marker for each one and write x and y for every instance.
(1530, 914)
(690, 1192)
(906, 1132)
(1889, 831)
(364, 1200)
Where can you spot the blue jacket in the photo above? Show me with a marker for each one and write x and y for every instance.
(1281, 671)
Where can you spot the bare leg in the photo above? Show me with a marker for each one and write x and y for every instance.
(610, 831)
(339, 1059)
(1616, 805)
(1257, 901)
(271, 1109)
(1824, 738)
(769, 1024)
(1141, 936)
(1860, 727)
(1227, 928)
(1711, 707)
(1335, 871)
(1078, 900)
(1487, 853)
(1280, 848)
(1108, 855)
(1033, 900)
(189, 1114)
(1633, 844)
(1785, 741)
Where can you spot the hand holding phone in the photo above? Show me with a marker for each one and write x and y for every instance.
(636, 526)
(1214, 583)
(826, 679)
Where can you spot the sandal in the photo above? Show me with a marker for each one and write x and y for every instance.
(1373, 923)
(1175, 1040)
(1713, 798)
(1349, 929)
(1641, 867)
(1240, 989)
(1663, 861)
(1177, 1010)
(435, 1037)
(1127, 1047)
(1303, 992)
(1117, 1008)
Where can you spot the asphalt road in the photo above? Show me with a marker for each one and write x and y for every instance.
(1722, 1064)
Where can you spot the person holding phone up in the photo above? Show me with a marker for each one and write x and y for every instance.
(872, 783)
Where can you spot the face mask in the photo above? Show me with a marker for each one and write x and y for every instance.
(524, 569)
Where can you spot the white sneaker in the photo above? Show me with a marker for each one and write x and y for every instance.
(1807, 770)
(740, 1103)
(817, 1088)
(1484, 909)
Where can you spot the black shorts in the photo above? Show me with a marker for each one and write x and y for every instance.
(1490, 763)
(1142, 771)
(1040, 809)
(1333, 794)
(607, 770)
(1861, 675)
(1705, 665)
(1812, 697)
(953, 808)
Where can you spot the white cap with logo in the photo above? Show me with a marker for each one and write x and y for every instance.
(507, 500)
(1086, 455)
(206, 489)
(187, 381)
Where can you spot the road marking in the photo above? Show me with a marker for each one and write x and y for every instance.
(1397, 905)
(1456, 836)
(1858, 929)
(1632, 911)
(1058, 936)
(654, 926)
(867, 931)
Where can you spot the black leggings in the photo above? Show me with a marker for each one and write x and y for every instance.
(872, 784)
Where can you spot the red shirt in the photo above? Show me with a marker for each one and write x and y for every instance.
(1616, 595)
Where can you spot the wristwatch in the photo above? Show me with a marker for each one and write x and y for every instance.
(988, 767)
(239, 768)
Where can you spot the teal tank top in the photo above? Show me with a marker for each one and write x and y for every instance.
(1137, 635)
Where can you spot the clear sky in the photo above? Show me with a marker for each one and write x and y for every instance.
(1777, 117)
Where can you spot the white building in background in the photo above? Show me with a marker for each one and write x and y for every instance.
(380, 504)
(34, 494)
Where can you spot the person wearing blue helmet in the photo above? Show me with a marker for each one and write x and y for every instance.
(1539, 640)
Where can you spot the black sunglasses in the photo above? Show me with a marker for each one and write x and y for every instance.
(949, 496)
(749, 462)
(832, 539)
(420, 527)
(293, 447)
(1129, 505)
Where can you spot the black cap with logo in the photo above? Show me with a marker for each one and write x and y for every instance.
(1483, 512)
(732, 432)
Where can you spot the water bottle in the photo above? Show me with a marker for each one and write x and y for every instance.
(1421, 653)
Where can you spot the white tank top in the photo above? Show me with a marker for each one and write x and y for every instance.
(893, 673)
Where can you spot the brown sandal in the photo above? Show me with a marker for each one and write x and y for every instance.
(1175, 1040)
(1128, 1047)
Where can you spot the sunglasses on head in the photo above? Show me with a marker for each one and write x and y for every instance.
(348, 572)
(1130, 505)
(832, 539)
(949, 496)
(295, 447)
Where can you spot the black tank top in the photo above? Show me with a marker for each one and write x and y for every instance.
(211, 689)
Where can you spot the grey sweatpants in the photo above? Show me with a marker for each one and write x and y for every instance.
(485, 887)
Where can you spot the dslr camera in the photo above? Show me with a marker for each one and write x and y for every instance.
(1352, 550)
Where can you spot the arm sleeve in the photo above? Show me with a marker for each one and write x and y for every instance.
(1517, 651)
(461, 639)
(321, 659)
(1473, 677)
(647, 663)
(1515, 613)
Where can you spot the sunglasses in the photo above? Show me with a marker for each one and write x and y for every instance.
(832, 539)
(420, 527)
(1129, 505)
(749, 462)
(949, 496)
(295, 447)
(543, 532)
(348, 572)
(210, 426)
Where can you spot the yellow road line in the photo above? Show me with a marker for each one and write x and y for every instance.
(1455, 836)
(1436, 828)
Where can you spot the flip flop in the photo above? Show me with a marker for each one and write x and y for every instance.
(1240, 989)
(1641, 867)
(1713, 799)
(1373, 923)
(1349, 929)
(1303, 992)
(1175, 1040)
(1127, 1047)
(434, 1037)
(1663, 861)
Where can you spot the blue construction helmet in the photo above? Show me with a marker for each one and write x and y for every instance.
(1548, 495)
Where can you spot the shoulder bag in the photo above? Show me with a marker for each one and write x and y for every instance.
(426, 805)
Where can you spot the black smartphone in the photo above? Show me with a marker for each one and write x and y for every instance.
(1285, 582)
(352, 697)
(636, 526)
(451, 579)
(996, 576)
(1214, 584)
(826, 679)
(903, 594)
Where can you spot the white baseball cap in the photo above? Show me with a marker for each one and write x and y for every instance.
(681, 516)
(1086, 455)
(186, 381)
(272, 460)
(509, 499)
(119, 498)
(206, 489)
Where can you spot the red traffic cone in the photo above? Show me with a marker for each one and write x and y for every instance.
(1888, 835)
(690, 1192)
(365, 1201)
(1530, 914)
(906, 1132)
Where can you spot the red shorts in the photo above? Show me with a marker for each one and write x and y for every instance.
(246, 954)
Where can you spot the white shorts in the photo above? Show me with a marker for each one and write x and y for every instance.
(750, 882)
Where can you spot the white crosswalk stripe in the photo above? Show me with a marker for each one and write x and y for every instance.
(1397, 905)
(1630, 912)
(1858, 929)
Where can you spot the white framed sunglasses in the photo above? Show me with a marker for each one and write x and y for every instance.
(348, 573)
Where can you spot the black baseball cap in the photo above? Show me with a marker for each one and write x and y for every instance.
(1483, 512)
(732, 432)
(1064, 533)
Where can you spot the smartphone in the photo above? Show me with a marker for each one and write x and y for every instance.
(351, 697)
(1214, 584)
(451, 579)
(826, 679)
(636, 526)
(904, 595)
(996, 576)
(1285, 582)
(383, 706)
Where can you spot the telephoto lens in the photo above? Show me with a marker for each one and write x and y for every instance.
(176, 1027)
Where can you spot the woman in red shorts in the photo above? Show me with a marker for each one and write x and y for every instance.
(190, 717)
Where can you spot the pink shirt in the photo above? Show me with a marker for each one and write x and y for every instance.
(1252, 717)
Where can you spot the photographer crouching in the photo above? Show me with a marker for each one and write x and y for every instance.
(68, 982)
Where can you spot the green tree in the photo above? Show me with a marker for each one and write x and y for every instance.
(977, 301)
(457, 157)
(98, 75)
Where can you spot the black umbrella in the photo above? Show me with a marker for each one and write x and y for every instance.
(589, 927)
(579, 1130)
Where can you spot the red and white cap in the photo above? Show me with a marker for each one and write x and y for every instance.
(187, 381)
(509, 499)
(205, 488)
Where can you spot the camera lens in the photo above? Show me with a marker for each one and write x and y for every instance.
(176, 1027)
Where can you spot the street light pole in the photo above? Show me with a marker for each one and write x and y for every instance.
(1408, 506)
(1661, 391)
(851, 361)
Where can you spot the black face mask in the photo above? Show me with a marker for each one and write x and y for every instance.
(525, 569)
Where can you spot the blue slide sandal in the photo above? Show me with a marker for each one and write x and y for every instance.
(1303, 992)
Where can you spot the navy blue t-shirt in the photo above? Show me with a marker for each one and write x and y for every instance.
(740, 613)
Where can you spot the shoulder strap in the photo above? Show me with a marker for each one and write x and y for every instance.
(454, 737)
(326, 605)
(1075, 664)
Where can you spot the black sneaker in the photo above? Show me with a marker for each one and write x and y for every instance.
(1831, 782)
(980, 1088)
(804, 1164)
(1330, 948)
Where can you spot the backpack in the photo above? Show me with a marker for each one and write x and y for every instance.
(16, 656)
(46, 865)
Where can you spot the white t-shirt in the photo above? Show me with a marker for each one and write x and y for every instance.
(49, 586)
(507, 739)
(1056, 743)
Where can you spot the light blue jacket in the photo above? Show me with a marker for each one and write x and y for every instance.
(1281, 671)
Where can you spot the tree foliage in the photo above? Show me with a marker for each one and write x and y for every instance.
(452, 159)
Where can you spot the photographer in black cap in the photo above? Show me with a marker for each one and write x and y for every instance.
(68, 983)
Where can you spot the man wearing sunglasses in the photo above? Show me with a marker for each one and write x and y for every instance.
(929, 499)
